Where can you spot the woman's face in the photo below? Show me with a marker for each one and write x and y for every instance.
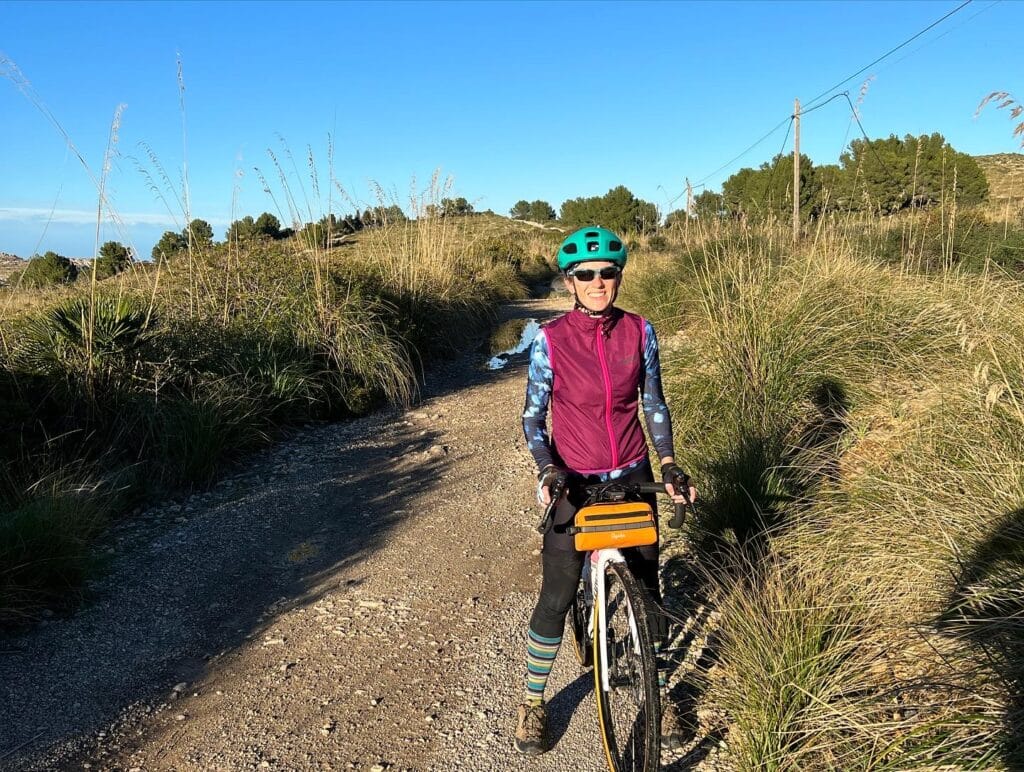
(598, 293)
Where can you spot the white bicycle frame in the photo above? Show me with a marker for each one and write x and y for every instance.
(599, 595)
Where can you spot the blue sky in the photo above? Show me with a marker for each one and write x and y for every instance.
(513, 100)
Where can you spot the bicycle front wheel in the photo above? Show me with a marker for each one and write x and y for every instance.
(626, 676)
(578, 614)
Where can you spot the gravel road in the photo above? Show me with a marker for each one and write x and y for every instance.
(353, 598)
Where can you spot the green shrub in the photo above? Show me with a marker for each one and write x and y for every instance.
(506, 336)
(45, 271)
(537, 269)
(932, 244)
(112, 260)
(88, 344)
(45, 545)
(496, 250)
(657, 243)
(196, 436)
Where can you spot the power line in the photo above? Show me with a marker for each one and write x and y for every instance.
(890, 52)
(672, 201)
(937, 38)
(867, 141)
(775, 165)
(811, 103)
(738, 157)
(836, 96)
(788, 129)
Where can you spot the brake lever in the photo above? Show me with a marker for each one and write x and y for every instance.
(549, 511)
(680, 513)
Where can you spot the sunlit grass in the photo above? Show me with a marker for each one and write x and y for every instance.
(855, 427)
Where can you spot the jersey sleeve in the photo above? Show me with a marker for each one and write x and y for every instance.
(659, 422)
(538, 397)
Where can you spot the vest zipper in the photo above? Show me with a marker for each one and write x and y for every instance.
(607, 399)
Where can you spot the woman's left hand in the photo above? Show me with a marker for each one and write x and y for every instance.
(678, 498)
(677, 484)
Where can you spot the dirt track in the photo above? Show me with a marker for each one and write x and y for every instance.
(355, 598)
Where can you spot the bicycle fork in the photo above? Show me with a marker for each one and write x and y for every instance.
(593, 571)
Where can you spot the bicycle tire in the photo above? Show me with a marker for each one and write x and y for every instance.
(578, 623)
(629, 713)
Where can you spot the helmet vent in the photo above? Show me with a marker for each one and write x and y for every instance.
(593, 246)
(614, 246)
(591, 235)
(570, 249)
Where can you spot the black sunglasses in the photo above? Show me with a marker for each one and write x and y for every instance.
(608, 273)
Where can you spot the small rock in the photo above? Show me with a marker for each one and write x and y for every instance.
(180, 717)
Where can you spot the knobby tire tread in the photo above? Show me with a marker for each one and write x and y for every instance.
(649, 672)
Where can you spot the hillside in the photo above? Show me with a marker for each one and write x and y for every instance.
(9, 264)
(1005, 173)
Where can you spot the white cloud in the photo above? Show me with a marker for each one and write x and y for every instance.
(86, 217)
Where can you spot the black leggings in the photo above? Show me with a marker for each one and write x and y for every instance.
(562, 564)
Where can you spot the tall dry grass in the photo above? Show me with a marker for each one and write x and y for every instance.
(154, 380)
(855, 426)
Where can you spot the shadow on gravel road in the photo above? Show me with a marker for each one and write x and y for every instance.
(198, 589)
(692, 758)
(564, 704)
(695, 647)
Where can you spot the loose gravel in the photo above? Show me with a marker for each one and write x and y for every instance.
(354, 598)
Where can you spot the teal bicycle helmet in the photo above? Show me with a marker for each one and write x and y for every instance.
(593, 243)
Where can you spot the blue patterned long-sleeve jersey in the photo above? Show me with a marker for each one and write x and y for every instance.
(538, 398)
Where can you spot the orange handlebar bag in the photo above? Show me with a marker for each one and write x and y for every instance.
(618, 525)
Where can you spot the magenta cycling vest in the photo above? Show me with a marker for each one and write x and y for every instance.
(597, 365)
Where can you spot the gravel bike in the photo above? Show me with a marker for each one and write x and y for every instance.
(609, 618)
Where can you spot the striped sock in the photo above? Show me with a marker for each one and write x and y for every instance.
(540, 656)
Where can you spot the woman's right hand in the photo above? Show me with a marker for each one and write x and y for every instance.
(549, 477)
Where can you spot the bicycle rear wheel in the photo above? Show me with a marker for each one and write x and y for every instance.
(626, 676)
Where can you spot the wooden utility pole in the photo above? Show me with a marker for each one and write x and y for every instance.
(796, 170)
(689, 205)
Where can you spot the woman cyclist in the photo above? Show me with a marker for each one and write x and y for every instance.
(594, 366)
